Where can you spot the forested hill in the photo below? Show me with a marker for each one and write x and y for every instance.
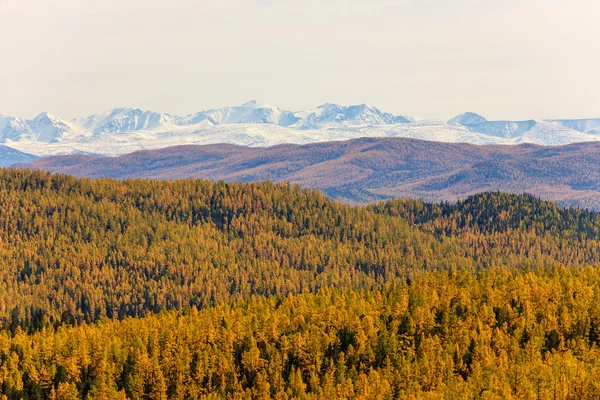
(184, 289)
(368, 169)
(80, 249)
(492, 212)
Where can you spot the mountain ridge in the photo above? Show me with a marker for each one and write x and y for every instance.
(367, 169)
(125, 130)
(10, 156)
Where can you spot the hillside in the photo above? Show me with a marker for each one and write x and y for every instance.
(369, 169)
(501, 334)
(111, 243)
(195, 289)
(10, 156)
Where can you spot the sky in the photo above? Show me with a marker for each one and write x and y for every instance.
(505, 59)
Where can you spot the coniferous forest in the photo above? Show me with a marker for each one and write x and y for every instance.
(192, 289)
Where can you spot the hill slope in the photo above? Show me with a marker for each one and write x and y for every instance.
(193, 289)
(10, 156)
(365, 170)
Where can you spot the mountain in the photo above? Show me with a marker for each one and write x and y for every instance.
(12, 128)
(353, 115)
(48, 128)
(10, 156)
(545, 132)
(588, 126)
(123, 120)
(270, 115)
(45, 128)
(251, 112)
(468, 118)
(368, 169)
(125, 130)
(256, 113)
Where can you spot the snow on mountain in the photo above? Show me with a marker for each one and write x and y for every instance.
(254, 135)
(122, 120)
(468, 118)
(503, 129)
(362, 114)
(270, 115)
(48, 128)
(45, 128)
(549, 133)
(226, 115)
(124, 130)
(12, 128)
(433, 131)
(545, 132)
(251, 112)
(589, 126)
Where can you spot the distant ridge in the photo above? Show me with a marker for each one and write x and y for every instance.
(368, 169)
(10, 156)
(124, 130)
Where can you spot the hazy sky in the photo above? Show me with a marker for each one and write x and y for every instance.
(505, 59)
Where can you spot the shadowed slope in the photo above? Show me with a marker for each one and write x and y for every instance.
(369, 169)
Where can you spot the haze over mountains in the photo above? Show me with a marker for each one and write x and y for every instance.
(124, 130)
(368, 169)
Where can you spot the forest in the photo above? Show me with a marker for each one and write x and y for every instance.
(192, 289)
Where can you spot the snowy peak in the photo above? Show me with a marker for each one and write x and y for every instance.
(501, 129)
(49, 128)
(12, 128)
(468, 118)
(270, 115)
(47, 118)
(123, 120)
(219, 116)
(123, 130)
(46, 128)
(361, 114)
(251, 112)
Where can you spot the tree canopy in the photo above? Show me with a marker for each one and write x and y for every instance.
(193, 289)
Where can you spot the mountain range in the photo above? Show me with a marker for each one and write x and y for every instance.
(368, 169)
(124, 130)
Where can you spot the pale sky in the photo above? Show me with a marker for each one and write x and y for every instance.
(505, 59)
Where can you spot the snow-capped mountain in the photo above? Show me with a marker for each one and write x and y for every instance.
(328, 114)
(12, 128)
(248, 113)
(270, 115)
(468, 118)
(503, 129)
(123, 120)
(588, 126)
(124, 130)
(46, 128)
(548, 132)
